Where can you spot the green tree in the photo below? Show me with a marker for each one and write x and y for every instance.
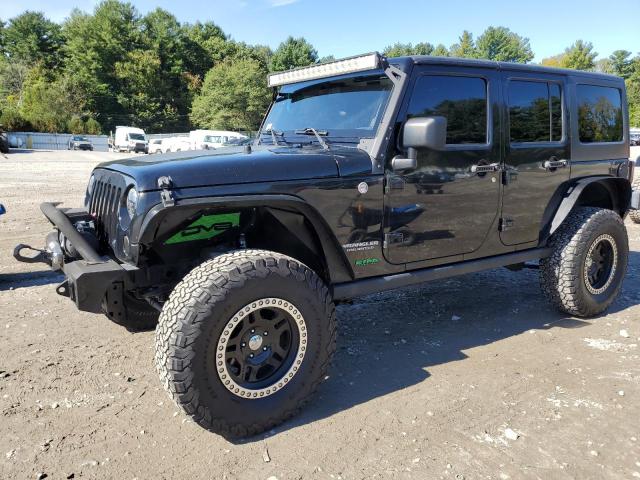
(49, 105)
(234, 96)
(501, 44)
(94, 44)
(292, 53)
(633, 92)
(579, 56)
(465, 48)
(406, 49)
(32, 38)
(92, 127)
(75, 125)
(621, 63)
(205, 45)
(440, 51)
(555, 61)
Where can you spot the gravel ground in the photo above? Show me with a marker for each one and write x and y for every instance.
(475, 377)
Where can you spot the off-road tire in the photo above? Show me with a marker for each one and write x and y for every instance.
(562, 274)
(634, 215)
(195, 316)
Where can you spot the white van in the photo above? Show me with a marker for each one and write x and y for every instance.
(210, 139)
(130, 139)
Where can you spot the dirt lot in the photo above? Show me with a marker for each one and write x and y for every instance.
(425, 384)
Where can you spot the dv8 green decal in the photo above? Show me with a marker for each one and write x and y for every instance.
(205, 227)
(363, 262)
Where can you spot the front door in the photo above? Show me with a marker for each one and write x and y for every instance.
(442, 208)
(536, 153)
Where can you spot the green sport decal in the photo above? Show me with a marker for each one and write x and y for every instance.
(206, 227)
(366, 261)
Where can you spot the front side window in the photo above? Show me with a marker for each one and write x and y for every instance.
(599, 114)
(461, 100)
(535, 112)
(343, 107)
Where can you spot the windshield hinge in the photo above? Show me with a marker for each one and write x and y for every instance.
(165, 184)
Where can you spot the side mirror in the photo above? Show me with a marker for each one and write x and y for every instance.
(420, 132)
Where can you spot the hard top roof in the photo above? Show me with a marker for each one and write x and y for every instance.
(404, 63)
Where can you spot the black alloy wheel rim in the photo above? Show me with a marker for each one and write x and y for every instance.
(600, 264)
(261, 348)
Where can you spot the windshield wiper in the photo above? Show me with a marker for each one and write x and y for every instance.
(274, 134)
(318, 134)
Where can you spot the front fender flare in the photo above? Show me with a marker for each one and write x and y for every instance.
(336, 260)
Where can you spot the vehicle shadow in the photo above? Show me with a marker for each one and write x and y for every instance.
(13, 281)
(387, 342)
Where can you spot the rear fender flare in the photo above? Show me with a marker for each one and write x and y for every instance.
(568, 196)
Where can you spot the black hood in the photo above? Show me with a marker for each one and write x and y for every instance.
(233, 165)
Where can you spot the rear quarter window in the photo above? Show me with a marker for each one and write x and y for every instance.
(599, 114)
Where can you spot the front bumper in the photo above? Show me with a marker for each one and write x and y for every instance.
(88, 278)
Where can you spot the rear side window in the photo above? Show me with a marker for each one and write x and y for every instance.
(599, 114)
(462, 100)
(535, 112)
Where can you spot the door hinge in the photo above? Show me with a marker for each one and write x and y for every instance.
(509, 175)
(394, 183)
(392, 239)
(165, 184)
(505, 224)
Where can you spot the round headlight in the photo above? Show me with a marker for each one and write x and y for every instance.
(132, 202)
(92, 182)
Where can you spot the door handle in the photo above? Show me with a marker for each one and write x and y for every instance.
(492, 167)
(554, 163)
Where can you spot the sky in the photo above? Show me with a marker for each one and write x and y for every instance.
(349, 27)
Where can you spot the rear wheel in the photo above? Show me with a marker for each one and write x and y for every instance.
(634, 215)
(584, 274)
(244, 341)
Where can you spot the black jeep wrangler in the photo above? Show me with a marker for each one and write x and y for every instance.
(368, 174)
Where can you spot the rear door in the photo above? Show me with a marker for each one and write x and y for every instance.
(537, 152)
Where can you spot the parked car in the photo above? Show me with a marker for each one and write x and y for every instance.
(79, 142)
(370, 174)
(155, 145)
(180, 144)
(237, 141)
(130, 139)
(220, 138)
(165, 145)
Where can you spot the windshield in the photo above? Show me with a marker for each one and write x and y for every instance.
(80, 139)
(346, 107)
(136, 136)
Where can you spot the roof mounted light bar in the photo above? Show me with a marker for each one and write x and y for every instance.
(360, 63)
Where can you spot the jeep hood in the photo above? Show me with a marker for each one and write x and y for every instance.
(233, 165)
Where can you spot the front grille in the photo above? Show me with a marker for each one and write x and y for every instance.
(105, 203)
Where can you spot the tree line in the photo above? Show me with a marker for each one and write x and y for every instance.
(115, 66)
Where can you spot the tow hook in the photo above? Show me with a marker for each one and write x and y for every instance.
(52, 255)
(42, 256)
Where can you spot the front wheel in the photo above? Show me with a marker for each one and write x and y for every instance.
(244, 340)
(585, 271)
